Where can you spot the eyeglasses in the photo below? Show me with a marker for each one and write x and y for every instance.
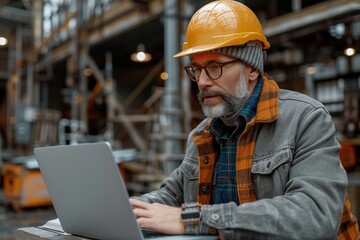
(213, 70)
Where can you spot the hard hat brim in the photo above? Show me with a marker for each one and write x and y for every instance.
(232, 42)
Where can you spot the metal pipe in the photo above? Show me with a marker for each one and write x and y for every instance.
(296, 5)
(110, 95)
(1, 154)
(172, 84)
(29, 84)
(10, 96)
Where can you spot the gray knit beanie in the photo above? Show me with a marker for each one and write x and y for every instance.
(250, 53)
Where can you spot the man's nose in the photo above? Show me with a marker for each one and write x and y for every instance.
(204, 80)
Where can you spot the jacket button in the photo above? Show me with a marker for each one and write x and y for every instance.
(205, 159)
(205, 189)
(215, 216)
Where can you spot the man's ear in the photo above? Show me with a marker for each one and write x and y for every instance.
(253, 74)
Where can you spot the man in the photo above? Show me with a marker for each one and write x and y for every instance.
(265, 163)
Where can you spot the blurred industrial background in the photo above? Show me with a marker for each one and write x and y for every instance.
(89, 70)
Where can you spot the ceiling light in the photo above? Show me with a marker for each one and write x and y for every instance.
(350, 51)
(311, 70)
(164, 76)
(3, 41)
(140, 55)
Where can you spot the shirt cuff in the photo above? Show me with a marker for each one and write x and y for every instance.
(194, 226)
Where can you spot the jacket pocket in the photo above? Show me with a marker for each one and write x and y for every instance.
(190, 170)
(271, 173)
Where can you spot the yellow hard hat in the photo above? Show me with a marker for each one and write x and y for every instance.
(221, 24)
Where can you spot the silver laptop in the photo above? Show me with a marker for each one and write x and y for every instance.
(88, 192)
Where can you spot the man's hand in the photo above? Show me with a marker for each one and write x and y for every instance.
(158, 217)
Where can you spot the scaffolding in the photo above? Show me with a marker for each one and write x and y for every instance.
(66, 33)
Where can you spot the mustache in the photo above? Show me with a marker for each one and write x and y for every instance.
(207, 92)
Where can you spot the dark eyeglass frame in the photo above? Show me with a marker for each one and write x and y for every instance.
(192, 77)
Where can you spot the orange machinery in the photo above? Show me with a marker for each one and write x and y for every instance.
(23, 184)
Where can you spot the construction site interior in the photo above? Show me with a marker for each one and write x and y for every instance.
(70, 73)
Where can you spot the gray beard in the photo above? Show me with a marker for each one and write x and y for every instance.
(232, 102)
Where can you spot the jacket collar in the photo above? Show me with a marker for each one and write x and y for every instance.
(268, 105)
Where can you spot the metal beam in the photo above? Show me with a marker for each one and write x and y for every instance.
(15, 14)
(130, 19)
(309, 16)
(121, 18)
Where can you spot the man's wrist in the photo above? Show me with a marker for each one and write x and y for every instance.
(191, 210)
(191, 216)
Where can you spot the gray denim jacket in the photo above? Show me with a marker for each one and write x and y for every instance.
(299, 181)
